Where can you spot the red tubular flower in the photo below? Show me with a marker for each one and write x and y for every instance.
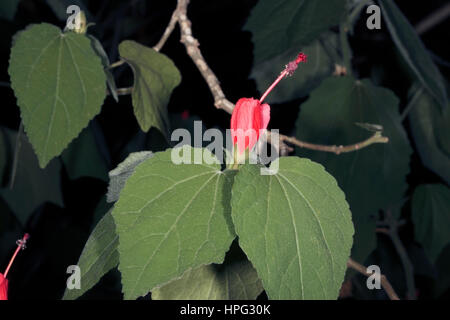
(3, 288)
(3, 281)
(248, 118)
(250, 115)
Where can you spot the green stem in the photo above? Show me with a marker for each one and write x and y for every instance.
(116, 64)
(411, 104)
(235, 160)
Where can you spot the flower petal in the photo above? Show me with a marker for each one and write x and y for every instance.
(3, 288)
(247, 119)
(265, 115)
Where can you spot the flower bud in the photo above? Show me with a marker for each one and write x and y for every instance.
(248, 118)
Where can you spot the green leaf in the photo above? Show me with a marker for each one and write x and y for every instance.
(414, 51)
(171, 218)
(8, 9)
(98, 48)
(83, 159)
(372, 178)
(295, 227)
(119, 176)
(321, 64)
(155, 77)
(99, 255)
(33, 186)
(102, 208)
(431, 217)
(235, 280)
(278, 26)
(429, 128)
(59, 83)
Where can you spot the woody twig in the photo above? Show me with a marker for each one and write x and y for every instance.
(179, 16)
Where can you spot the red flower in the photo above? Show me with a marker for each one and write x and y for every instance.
(3, 287)
(250, 115)
(248, 118)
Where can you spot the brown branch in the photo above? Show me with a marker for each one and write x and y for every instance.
(384, 281)
(382, 223)
(172, 23)
(433, 19)
(124, 91)
(375, 138)
(382, 230)
(116, 64)
(179, 16)
(167, 32)
(221, 102)
(193, 50)
(121, 91)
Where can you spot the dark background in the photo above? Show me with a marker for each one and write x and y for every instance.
(59, 234)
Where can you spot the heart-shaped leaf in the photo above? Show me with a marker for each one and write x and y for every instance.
(295, 227)
(171, 218)
(99, 255)
(278, 26)
(431, 217)
(414, 51)
(155, 77)
(119, 176)
(235, 280)
(372, 178)
(59, 83)
(430, 130)
(31, 182)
